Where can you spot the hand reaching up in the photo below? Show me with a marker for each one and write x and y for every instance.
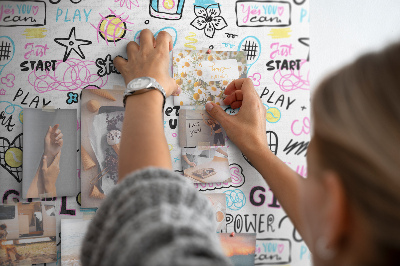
(247, 128)
(52, 143)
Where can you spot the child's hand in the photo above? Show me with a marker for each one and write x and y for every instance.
(53, 142)
(192, 164)
(247, 128)
(150, 59)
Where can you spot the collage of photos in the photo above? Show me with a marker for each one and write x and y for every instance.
(102, 114)
(49, 156)
(28, 233)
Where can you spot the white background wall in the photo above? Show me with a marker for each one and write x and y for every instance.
(341, 30)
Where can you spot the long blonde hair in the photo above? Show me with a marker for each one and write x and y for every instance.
(356, 116)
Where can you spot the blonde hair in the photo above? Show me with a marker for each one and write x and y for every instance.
(356, 116)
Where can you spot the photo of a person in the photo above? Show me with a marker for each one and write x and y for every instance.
(44, 182)
(12, 254)
(217, 129)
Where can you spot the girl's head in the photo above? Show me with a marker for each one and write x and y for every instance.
(3, 226)
(210, 122)
(352, 193)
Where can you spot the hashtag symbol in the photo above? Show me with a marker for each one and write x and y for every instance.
(5, 50)
(251, 49)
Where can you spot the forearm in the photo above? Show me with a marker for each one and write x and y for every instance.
(184, 157)
(143, 141)
(36, 188)
(283, 182)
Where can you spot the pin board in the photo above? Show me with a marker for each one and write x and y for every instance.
(50, 50)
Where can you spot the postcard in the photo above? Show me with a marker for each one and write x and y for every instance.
(218, 202)
(102, 115)
(28, 233)
(240, 248)
(198, 128)
(73, 232)
(204, 76)
(50, 150)
(206, 164)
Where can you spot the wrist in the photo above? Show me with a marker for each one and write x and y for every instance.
(149, 99)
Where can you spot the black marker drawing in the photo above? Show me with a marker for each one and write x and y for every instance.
(306, 42)
(166, 9)
(208, 19)
(72, 43)
(11, 156)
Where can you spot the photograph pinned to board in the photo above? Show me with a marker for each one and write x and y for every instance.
(239, 248)
(204, 76)
(198, 128)
(206, 164)
(28, 233)
(218, 202)
(50, 150)
(73, 232)
(102, 115)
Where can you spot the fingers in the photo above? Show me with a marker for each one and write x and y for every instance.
(234, 99)
(44, 163)
(59, 137)
(177, 92)
(55, 127)
(245, 85)
(60, 142)
(147, 41)
(120, 62)
(164, 41)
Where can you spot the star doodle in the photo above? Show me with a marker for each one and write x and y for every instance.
(72, 97)
(176, 159)
(72, 43)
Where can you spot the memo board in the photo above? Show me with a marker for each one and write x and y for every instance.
(39, 68)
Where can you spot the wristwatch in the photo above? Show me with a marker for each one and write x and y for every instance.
(142, 85)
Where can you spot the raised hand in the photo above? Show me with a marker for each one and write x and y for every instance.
(249, 121)
(52, 143)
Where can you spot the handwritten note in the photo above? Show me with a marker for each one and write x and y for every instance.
(220, 69)
(26, 13)
(263, 14)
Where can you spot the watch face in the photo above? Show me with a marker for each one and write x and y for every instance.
(141, 83)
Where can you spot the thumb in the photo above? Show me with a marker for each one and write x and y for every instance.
(217, 113)
(44, 163)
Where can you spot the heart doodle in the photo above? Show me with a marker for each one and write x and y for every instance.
(11, 156)
(280, 248)
(280, 10)
(35, 10)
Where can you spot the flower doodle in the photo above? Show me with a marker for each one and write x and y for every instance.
(208, 19)
(72, 97)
